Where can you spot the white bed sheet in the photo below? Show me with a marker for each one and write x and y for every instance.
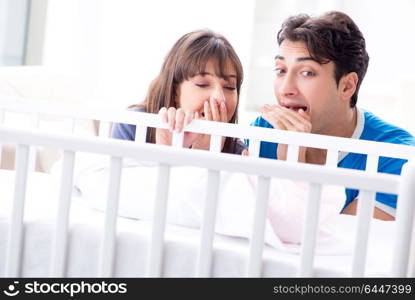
(230, 253)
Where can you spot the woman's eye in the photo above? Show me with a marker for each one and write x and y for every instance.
(230, 88)
(308, 73)
(202, 85)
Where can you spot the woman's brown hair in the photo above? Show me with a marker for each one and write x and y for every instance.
(186, 59)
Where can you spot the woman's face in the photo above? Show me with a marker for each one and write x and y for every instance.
(194, 92)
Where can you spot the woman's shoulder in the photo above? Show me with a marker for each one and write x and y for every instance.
(126, 131)
(136, 108)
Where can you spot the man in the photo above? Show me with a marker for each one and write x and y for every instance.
(319, 68)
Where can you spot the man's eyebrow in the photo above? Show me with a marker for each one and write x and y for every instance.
(299, 59)
(226, 76)
(306, 59)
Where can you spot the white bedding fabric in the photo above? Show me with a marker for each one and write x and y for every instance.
(237, 198)
(181, 242)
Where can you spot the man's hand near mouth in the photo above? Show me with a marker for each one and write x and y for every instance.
(293, 118)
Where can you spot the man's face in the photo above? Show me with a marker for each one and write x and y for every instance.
(301, 82)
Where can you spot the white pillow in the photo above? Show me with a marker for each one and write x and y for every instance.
(237, 196)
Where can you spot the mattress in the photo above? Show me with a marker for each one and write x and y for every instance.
(181, 243)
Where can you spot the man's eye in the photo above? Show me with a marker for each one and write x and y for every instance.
(308, 73)
(279, 71)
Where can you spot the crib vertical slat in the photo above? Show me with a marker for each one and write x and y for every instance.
(69, 125)
(104, 129)
(215, 143)
(15, 235)
(2, 113)
(208, 225)
(140, 134)
(292, 153)
(158, 222)
(372, 163)
(254, 147)
(364, 218)
(34, 123)
(365, 206)
(332, 158)
(58, 258)
(178, 139)
(258, 230)
(34, 120)
(310, 231)
(405, 224)
(106, 261)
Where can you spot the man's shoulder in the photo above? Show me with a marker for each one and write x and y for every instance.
(261, 122)
(377, 129)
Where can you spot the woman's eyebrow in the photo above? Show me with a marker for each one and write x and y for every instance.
(226, 76)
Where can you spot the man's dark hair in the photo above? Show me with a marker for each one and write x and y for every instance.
(332, 37)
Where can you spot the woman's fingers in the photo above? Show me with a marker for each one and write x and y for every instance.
(183, 118)
(207, 111)
(223, 112)
(213, 103)
(178, 127)
(171, 116)
(189, 115)
(163, 114)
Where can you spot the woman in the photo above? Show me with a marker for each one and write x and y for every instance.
(200, 79)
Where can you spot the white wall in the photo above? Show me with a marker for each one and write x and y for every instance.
(118, 45)
(12, 31)
(389, 86)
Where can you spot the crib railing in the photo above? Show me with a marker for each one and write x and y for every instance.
(70, 113)
(294, 140)
(367, 182)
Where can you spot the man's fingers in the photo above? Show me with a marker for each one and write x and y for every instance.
(245, 152)
(304, 114)
(286, 119)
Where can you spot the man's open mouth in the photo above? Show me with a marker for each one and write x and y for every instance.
(296, 107)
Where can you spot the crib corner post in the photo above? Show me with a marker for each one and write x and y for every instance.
(404, 257)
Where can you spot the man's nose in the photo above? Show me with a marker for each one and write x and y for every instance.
(287, 86)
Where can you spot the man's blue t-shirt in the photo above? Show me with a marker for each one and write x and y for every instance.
(371, 128)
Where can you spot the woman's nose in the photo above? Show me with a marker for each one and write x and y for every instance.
(218, 94)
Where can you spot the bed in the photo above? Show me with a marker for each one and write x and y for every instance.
(49, 228)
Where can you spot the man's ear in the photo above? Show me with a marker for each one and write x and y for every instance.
(348, 85)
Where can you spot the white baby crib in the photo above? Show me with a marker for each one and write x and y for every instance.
(368, 182)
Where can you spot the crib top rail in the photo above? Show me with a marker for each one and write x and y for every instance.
(330, 143)
(386, 183)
